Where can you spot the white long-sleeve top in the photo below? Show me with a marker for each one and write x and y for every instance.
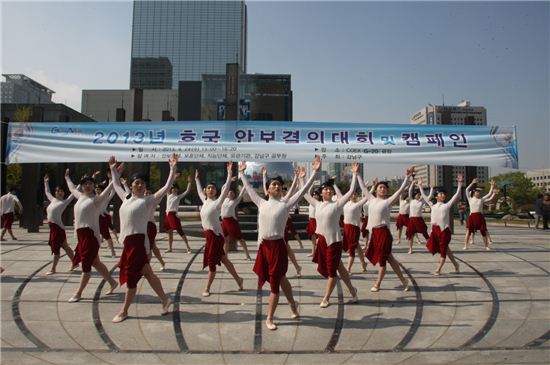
(87, 207)
(366, 209)
(173, 200)
(352, 211)
(327, 214)
(273, 213)
(211, 208)
(7, 203)
(404, 206)
(311, 211)
(55, 209)
(103, 208)
(135, 210)
(379, 209)
(229, 206)
(441, 212)
(417, 205)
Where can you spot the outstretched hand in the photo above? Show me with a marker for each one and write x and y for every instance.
(355, 167)
(46, 178)
(173, 161)
(66, 172)
(410, 171)
(316, 163)
(460, 178)
(242, 166)
(230, 167)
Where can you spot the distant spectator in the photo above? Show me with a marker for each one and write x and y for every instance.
(462, 206)
(538, 210)
(545, 210)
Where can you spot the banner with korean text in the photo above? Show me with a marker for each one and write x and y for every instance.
(263, 141)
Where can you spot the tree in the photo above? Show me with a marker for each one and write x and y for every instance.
(518, 188)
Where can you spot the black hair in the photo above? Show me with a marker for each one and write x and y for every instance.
(277, 178)
(211, 183)
(440, 189)
(316, 192)
(327, 184)
(12, 188)
(58, 188)
(139, 176)
(86, 179)
(385, 183)
(415, 191)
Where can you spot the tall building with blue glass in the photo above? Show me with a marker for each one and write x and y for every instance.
(176, 41)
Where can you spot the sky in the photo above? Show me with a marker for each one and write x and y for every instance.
(360, 61)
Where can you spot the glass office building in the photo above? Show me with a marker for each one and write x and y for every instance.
(196, 37)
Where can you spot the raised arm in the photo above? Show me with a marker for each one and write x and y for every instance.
(307, 195)
(71, 186)
(411, 186)
(202, 197)
(458, 190)
(47, 188)
(431, 193)
(115, 179)
(225, 188)
(241, 195)
(364, 189)
(395, 195)
(344, 199)
(490, 194)
(337, 191)
(103, 199)
(246, 185)
(293, 187)
(173, 163)
(264, 180)
(296, 197)
(188, 190)
(427, 199)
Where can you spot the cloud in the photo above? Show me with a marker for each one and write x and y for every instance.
(65, 93)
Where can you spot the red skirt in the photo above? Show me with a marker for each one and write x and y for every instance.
(439, 241)
(105, 223)
(86, 249)
(152, 234)
(416, 225)
(327, 258)
(271, 263)
(172, 222)
(7, 220)
(311, 227)
(132, 260)
(57, 237)
(231, 228)
(402, 220)
(213, 250)
(476, 222)
(380, 246)
(351, 238)
(290, 229)
(364, 230)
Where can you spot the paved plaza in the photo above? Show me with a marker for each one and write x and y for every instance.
(496, 311)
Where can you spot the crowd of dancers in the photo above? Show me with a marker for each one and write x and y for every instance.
(336, 223)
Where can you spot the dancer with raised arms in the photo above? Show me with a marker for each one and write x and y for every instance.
(171, 221)
(7, 208)
(380, 245)
(272, 260)
(86, 224)
(213, 233)
(134, 215)
(416, 221)
(476, 220)
(352, 230)
(328, 255)
(54, 211)
(230, 225)
(441, 216)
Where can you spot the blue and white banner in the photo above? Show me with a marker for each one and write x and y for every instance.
(263, 142)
